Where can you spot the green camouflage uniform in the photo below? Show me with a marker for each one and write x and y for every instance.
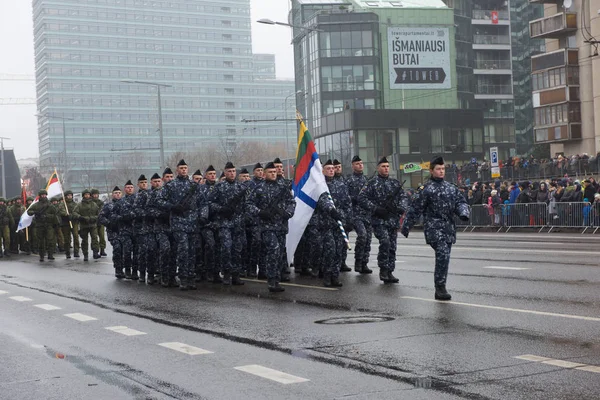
(46, 218)
(86, 213)
(69, 225)
(100, 204)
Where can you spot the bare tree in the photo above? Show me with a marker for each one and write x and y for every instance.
(129, 166)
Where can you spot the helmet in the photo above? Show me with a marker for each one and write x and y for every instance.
(68, 192)
(43, 191)
(85, 191)
(94, 191)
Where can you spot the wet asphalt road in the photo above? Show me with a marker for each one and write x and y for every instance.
(526, 328)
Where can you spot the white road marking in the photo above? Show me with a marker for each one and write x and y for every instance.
(531, 357)
(590, 368)
(400, 261)
(293, 284)
(80, 317)
(47, 307)
(563, 363)
(503, 250)
(509, 268)
(20, 298)
(517, 310)
(271, 374)
(185, 348)
(123, 330)
(3, 292)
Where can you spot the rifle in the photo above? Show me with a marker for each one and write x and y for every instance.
(389, 201)
(184, 204)
(236, 199)
(273, 206)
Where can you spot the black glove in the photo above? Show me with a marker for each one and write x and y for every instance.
(265, 215)
(349, 227)
(381, 212)
(278, 211)
(177, 209)
(354, 202)
(202, 221)
(464, 218)
(335, 214)
(227, 212)
(404, 231)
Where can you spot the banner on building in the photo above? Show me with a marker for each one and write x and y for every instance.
(419, 58)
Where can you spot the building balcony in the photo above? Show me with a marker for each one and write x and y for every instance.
(558, 58)
(493, 67)
(546, 1)
(491, 42)
(487, 17)
(553, 27)
(493, 92)
(556, 96)
(558, 133)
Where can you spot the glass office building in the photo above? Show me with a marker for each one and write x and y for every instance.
(85, 49)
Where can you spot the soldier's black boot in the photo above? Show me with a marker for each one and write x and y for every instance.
(102, 253)
(392, 278)
(183, 285)
(96, 255)
(7, 254)
(216, 278)
(1, 254)
(151, 280)
(127, 273)
(441, 293)
(286, 270)
(345, 268)
(50, 257)
(284, 278)
(358, 267)
(251, 274)
(41, 257)
(335, 282)
(173, 282)
(119, 273)
(85, 257)
(314, 273)
(142, 277)
(383, 275)
(366, 270)
(327, 280)
(274, 286)
(68, 254)
(262, 275)
(236, 281)
(227, 278)
(76, 254)
(134, 274)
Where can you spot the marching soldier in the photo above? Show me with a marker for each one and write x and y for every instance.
(60, 241)
(253, 233)
(46, 217)
(5, 223)
(244, 175)
(127, 215)
(337, 165)
(285, 268)
(438, 201)
(274, 205)
(209, 233)
(384, 198)
(200, 267)
(155, 248)
(225, 203)
(101, 239)
(69, 226)
(15, 210)
(362, 219)
(140, 228)
(177, 198)
(86, 213)
(109, 217)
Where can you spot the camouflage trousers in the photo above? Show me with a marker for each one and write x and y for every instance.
(68, 234)
(5, 238)
(274, 243)
(231, 244)
(209, 251)
(46, 240)
(302, 254)
(163, 256)
(253, 248)
(442, 261)
(388, 237)
(185, 255)
(93, 236)
(127, 245)
(313, 248)
(364, 235)
(101, 238)
(117, 252)
(332, 251)
(142, 253)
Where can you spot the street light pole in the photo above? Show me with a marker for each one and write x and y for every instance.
(64, 132)
(160, 126)
(287, 123)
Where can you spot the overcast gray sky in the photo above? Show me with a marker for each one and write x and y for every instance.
(16, 52)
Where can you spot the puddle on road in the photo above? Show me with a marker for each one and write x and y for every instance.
(365, 319)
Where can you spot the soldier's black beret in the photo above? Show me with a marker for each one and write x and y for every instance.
(142, 178)
(155, 176)
(167, 171)
(229, 165)
(336, 162)
(436, 160)
(128, 183)
(181, 162)
(277, 161)
(198, 172)
(244, 171)
(383, 161)
(210, 169)
(270, 165)
(257, 166)
(356, 159)
(116, 189)
(328, 162)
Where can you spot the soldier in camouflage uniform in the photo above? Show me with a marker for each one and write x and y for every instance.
(127, 214)
(6, 222)
(349, 222)
(162, 231)
(177, 197)
(15, 209)
(253, 232)
(109, 218)
(46, 216)
(60, 241)
(274, 205)
(141, 228)
(208, 230)
(86, 213)
(200, 267)
(285, 268)
(32, 243)
(101, 238)
(151, 215)
(384, 198)
(69, 226)
(226, 203)
(438, 202)
(362, 218)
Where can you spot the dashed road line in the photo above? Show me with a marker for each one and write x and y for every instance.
(123, 330)
(271, 374)
(563, 363)
(3, 292)
(560, 363)
(20, 298)
(517, 310)
(185, 348)
(80, 317)
(531, 357)
(507, 268)
(47, 307)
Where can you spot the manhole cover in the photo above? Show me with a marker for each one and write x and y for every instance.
(365, 319)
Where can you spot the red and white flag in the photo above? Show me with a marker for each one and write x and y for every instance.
(53, 188)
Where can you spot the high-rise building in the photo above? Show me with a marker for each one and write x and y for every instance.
(566, 79)
(86, 52)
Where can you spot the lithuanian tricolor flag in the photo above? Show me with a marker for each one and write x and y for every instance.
(308, 185)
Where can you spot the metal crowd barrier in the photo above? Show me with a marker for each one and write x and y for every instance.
(533, 215)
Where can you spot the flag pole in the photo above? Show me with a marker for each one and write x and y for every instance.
(24, 198)
(64, 200)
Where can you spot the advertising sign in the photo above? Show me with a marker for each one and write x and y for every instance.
(419, 58)
(411, 167)
(494, 162)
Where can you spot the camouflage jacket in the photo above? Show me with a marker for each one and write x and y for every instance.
(62, 211)
(142, 224)
(177, 197)
(45, 213)
(227, 195)
(6, 218)
(274, 198)
(387, 193)
(355, 183)
(341, 198)
(109, 217)
(86, 213)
